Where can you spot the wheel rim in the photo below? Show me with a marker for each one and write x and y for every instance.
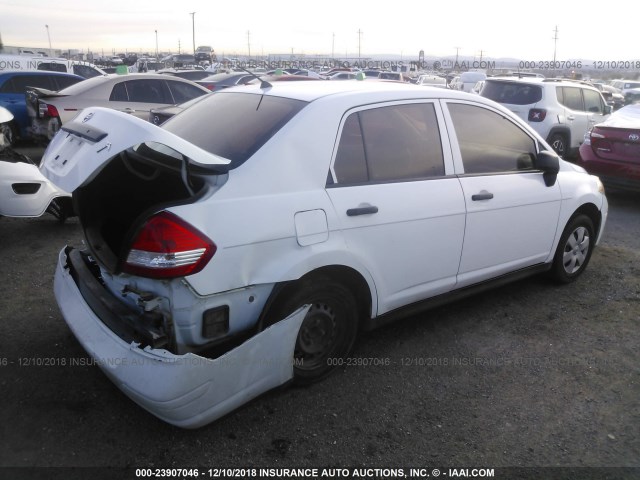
(558, 145)
(317, 336)
(576, 250)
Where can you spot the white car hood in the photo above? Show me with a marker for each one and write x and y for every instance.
(83, 147)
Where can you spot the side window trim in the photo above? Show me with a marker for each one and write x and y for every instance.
(455, 145)
(446, 148)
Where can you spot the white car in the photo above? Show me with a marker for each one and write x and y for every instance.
(560, 110)
(24, 191)
(337, 206)
(135, 94)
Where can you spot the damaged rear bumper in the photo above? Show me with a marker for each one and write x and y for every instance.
(185, 390)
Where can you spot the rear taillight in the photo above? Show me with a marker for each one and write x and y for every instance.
(168, 247)
(537, 115)
(46, 110)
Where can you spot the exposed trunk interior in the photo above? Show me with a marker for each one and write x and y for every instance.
(131, 187)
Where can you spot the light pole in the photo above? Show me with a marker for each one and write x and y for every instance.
(156, 45)
(193, 28)
(49, 37)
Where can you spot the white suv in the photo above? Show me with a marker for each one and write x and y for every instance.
(561, 111)
(247, 240)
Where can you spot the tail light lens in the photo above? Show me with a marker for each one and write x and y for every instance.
(537, 115)
(46, 110)
(168, 247)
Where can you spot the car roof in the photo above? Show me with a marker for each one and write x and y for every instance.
(93, 82)
(376, 90)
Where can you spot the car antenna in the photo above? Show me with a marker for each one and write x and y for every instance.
(263, 83)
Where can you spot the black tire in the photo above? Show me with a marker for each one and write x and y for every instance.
(559, 143)
(574, 249)
(328, 331)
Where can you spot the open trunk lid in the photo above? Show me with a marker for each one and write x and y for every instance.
(86, 145)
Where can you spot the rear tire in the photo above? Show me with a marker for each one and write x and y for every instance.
(574, 249)
(328, 330)
(559, 143)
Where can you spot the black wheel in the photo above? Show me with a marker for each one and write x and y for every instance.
(559, 143)
(574, 249)
(328, 331)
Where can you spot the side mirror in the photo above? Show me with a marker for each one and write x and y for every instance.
(549, 163)
(608, 109)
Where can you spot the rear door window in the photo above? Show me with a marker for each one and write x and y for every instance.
(398, 142)
(571, 97)
(148, 91)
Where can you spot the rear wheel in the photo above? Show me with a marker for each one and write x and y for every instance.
(328, 330)
(574, 249)
(559, 143)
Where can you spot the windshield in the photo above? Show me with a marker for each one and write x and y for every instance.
(233, 125)
(512, 93)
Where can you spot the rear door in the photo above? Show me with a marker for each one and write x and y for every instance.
(512, 215)
(575, 114)
(139, 96)
(399, 206)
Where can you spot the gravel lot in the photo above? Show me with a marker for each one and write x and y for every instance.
(529, 375)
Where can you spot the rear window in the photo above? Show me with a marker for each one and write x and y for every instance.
(233, 125)
(512, 93)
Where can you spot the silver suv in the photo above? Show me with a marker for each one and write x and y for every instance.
(561, 111)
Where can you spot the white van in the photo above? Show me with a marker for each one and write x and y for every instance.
(24, 62)
(469, 79)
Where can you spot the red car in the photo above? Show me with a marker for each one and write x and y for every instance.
(611, 149)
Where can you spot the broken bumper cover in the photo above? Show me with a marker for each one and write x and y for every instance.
(185, 390)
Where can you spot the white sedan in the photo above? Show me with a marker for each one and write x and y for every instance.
(135, 94)
(246, 241)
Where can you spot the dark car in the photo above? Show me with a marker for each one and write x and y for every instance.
(12, 94)
(611, 95)
(220, 81)
(611, 149)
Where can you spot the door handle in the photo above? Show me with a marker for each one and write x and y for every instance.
(129, 110)
(354, 212)
(571, 117)
(482, 196)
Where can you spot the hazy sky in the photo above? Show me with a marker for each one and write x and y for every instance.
(497, 28)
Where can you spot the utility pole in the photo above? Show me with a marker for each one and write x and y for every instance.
(333, 44)
(49, 37)
(359, 38)
(457, 51)
(555, 44)
(249, 42)
(156, 45)
(193, 28)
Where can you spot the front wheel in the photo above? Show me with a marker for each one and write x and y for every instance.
(574, 249)
(328, 330)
